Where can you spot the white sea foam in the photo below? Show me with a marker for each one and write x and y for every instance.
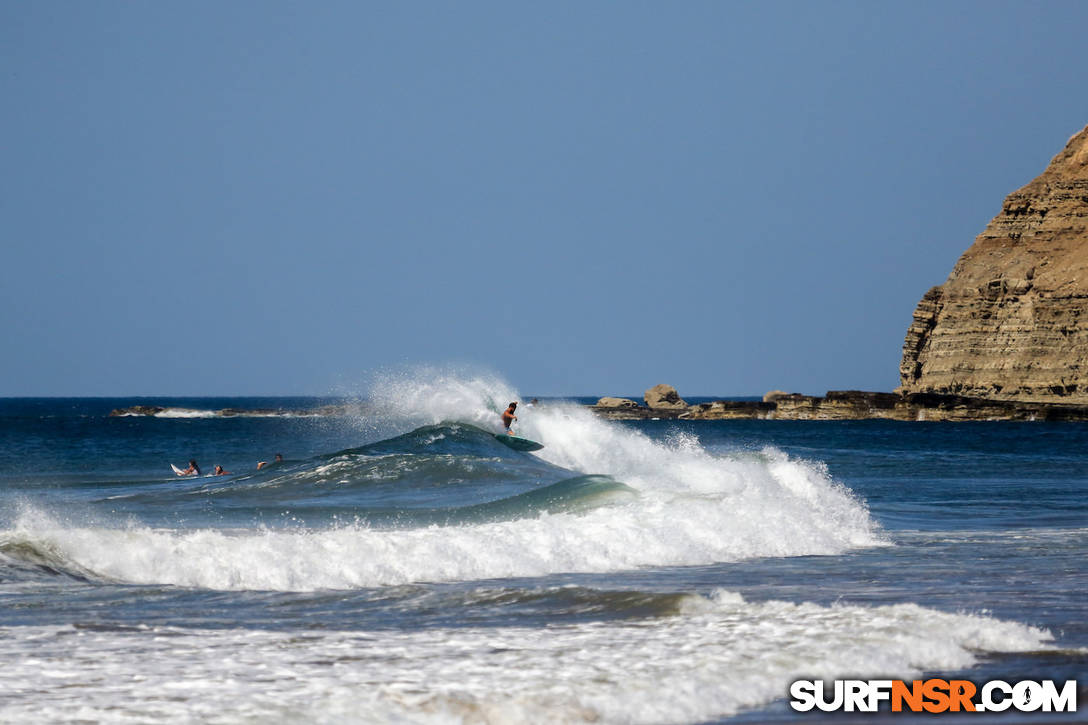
(186, 413)
(763, 518)
(692, 508)
(716, 657)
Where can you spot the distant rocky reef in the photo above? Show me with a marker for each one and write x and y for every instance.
(159, 411)
(1011, 321)
(663, 402)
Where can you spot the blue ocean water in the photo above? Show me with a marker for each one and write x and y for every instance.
(402, 564)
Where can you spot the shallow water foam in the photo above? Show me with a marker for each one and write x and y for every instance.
(719, 654)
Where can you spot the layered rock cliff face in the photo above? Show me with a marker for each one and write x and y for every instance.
(1011, 321)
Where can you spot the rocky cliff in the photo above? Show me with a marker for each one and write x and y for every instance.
(1011, 321)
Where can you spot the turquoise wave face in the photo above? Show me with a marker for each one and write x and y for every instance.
(445, 474)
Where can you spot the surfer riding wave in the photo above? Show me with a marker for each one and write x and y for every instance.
(508, 417)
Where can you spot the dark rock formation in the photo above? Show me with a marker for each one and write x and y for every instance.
(730, 410)
(137, 410)
(838, 405)
(176, 412)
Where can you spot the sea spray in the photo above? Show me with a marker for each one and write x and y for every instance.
(427, 395)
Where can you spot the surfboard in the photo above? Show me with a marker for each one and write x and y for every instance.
(179, 471)
(518, 443)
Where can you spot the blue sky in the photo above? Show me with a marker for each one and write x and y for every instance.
(245, 198)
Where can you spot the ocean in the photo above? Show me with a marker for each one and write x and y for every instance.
(402, 565)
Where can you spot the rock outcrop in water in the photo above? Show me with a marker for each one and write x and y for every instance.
(1011, 321)
(849, 405)
(158, 411)
(664, 397)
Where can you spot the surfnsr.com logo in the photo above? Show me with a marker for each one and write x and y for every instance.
(933, 695)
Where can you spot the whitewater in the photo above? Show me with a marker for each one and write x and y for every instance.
(402, 564)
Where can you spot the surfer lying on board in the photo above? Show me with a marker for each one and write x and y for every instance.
(508, 418)
(220, 472)
(192, 470)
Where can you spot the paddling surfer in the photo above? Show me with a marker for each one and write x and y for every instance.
(277, 459)
(192, 470)
(508, 418)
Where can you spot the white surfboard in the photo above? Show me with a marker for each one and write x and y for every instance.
(177, 470)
